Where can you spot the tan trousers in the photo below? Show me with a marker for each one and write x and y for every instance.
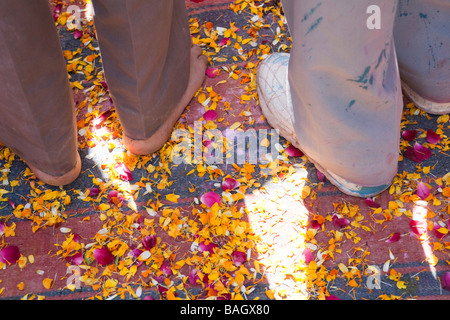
(145, 48)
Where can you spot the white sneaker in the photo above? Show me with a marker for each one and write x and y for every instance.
(276, 105)
(428, 106)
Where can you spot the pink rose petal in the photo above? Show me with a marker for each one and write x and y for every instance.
(418, 153)
(12, 204)
(78, 34)
(165, 268)
(438, 234)
(211, 198)
(101, 118)
(123, 171)
(212, 72)
(433, 137)
(307, 255)
(9, 254)
(409, 135)
(203, 247)
(229, 184)
(340, 222)
(75, 259)
(223, 42)
(423, 191)
(193, 276)
(332, 297)
(321, 176)
(238, 257)
(294, 152)
(210, 115)
(103, 256)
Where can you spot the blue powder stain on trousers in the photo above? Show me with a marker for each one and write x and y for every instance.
(314, 25)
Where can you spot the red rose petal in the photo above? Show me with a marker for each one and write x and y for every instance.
(193, 276)
(445, 280)
(438, 234)
(9, 254)
(409, 135)
(321, 176)
(433, 137)
(307, 255)
(395, 237)
(418, 153)
(78, 34)
(149, 241)
(371, 203)
(418, 227)
(294, 152)
(103, 256)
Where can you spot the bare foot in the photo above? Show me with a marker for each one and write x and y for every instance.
(196, 78)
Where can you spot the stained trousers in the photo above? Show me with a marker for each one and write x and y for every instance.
(145, 49)
(345, 78)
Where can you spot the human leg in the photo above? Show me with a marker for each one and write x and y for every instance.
(422, 38)
(345, 92)
(37, 111)
(150, 67)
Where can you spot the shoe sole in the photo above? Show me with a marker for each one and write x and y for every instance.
(428, 106)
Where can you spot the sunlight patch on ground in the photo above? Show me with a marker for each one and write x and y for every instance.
(279, 218)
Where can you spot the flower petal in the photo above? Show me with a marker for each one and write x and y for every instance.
(371, 203)
(294, 152)
(223, 42)
(229, 184)
(212, 72)
(418, 227)
(409, 135)
(123, 171)
(433, 137)
(149, 241)
(446, 281)
(439, 231)
(395, 237)
(340, 222)
(423, 191)
(321, 176)
(238, 257)
(9, 254)
(103, 256)
(210, 115)
(75, 259)
(211, 198)
(165, 268)
(422, 153)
